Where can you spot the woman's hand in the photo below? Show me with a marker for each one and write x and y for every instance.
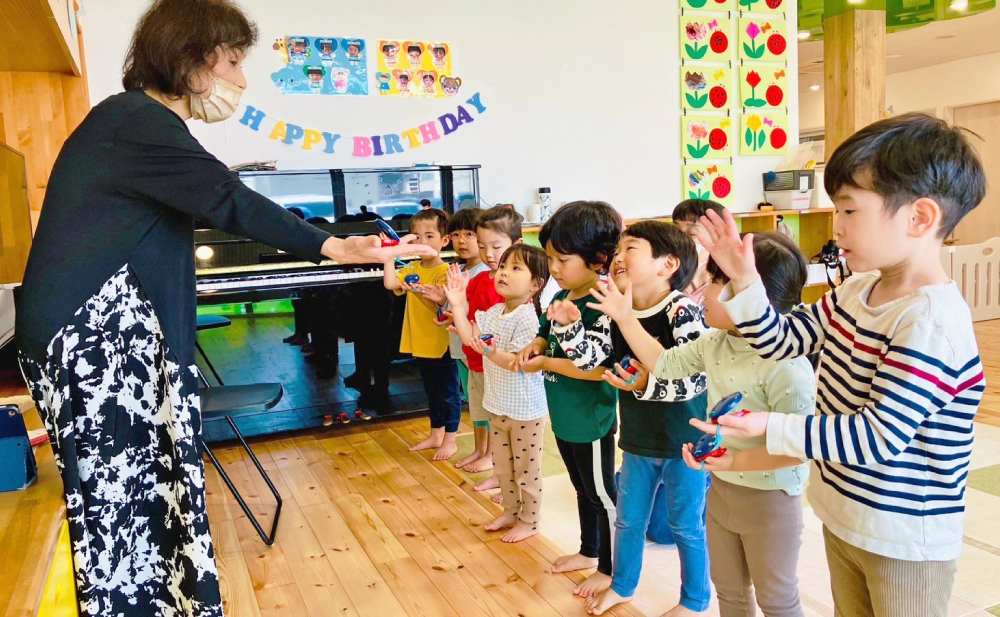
(712, 463)
(611, 301)
(621, 378)
(562, 312)
(734, 255)
(369, 249)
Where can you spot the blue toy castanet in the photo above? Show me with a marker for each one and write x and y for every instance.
(626, 364)
(388, 231)
(708, 447)
(411, 279)
(724, 406)
(486, 338)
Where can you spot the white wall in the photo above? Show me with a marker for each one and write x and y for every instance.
(932, 89)
(581, 95)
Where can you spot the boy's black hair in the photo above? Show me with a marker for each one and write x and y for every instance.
(693, 209)
(440, 217)
(666, 239)
(537, 263)
(907, 157)
(589, 229)
(464, 220)
(781, 265)
(502, 219)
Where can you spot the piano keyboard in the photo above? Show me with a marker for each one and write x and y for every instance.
(285, 280)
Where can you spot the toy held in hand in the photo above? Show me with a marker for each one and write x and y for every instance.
(486, 338)
(392, 238)
(628, 365)
(708, 447)
(724, 406)
(443, 316)
(411, 279)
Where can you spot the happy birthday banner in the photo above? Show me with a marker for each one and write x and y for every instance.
(364, 146)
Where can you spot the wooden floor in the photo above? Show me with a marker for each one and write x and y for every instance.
(370, 529)
(988, 336)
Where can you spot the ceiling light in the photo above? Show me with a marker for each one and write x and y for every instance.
(204, 253)
(803, 35)
(855, 1)
(959, 5)
(814, 87)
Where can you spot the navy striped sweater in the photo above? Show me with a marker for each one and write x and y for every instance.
(897, 390)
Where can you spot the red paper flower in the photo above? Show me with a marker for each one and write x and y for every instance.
(753, 79)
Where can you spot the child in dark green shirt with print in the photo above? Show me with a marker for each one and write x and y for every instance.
(580, 240)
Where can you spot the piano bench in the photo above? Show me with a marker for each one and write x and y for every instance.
(210, 322)
(223, 402)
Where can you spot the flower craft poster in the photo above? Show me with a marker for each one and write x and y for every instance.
(705, 38)
(709, 5)
(706, 137)
(764, 86)
(764, 134)
(706, 87)
(763, 39)
(762, 6)
(709, 180)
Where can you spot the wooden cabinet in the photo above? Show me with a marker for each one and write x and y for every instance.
(39, 36)
(15, 217)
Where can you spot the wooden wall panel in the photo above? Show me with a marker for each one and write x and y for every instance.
(15, 220)
(982, 223)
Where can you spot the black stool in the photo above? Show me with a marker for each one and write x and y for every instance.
(210, 322)
(223, 402)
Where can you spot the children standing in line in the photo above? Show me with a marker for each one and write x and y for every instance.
(658, 260)
(515, 401)
(580, 241)
(423, 338)
(462, 231)
(754, 518)
(900, 378)
(496, 231)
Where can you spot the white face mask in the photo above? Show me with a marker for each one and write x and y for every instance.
(220, 104)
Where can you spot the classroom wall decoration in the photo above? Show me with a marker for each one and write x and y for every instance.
(764, 133)
(762, 6)
(420, 69)
(708, 5)
(706, 87)
(321, 65)
(763, 39)
(705, 38)
(383, 144)
(709, 180)
(706, 137)
(763, 85)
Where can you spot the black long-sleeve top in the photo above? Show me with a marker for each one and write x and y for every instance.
(126, 189)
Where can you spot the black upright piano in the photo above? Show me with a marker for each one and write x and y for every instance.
(352, 324)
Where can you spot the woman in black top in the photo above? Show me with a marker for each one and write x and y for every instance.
(106, 323)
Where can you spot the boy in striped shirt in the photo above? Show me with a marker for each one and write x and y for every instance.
(900, 377)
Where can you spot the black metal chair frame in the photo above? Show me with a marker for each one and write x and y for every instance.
(268, 538)
(208, 363)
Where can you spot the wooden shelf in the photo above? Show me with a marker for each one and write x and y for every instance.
(39, 36)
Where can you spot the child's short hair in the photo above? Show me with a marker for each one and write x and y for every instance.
(781, 265)
(502, 219)
(589, 229)
(666, 239)
(440, 218)
(464, 220)
(537, 263)
(907, 157)
(693, 209)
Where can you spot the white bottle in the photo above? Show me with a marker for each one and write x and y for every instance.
(545, 199)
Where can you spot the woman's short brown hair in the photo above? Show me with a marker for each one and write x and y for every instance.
(177, 38)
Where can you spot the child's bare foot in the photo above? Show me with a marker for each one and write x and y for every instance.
(434, 441)
(448, 448)
(496, 498)
(501, 522)
(480, 465)
(475, 456)
(489, 483)
(593, 585)
(572, 563)
(682, 611)
(518, 533)
(605, 601)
